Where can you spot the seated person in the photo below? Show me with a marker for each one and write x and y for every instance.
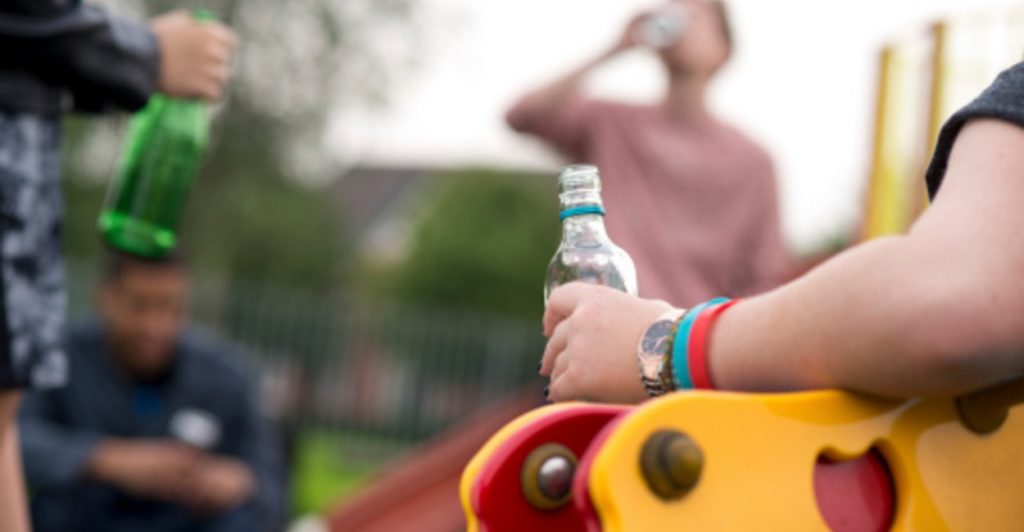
(158, 429)
(938, 311)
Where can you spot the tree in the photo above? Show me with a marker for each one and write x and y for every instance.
(482, 243)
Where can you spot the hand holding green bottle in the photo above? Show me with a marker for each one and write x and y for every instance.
(167, 138)
(195, 54)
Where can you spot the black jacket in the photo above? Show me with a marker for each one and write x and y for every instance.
(60, 428)
(59, 55)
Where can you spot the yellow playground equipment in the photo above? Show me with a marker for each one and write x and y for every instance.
(729, 461)
(699, 460)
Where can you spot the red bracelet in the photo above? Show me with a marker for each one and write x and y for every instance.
(698, 352)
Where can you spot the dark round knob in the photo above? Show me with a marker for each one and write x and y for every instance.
(671, 464)
(555, 477)
(547, 475)
(986, 410)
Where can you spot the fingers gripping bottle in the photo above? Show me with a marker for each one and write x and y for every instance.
(161, 155)
(586, 253)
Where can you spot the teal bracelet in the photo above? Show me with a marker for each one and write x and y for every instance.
(681, 344)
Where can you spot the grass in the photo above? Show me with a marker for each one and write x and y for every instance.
(330, 466)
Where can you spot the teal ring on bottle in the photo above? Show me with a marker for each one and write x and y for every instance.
(580, 211)
(681, 345)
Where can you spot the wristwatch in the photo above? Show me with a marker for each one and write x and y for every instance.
(654, 353)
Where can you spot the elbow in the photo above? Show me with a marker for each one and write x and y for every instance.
(945, 370)
(964, 337)
(515, 117)
(520, 115)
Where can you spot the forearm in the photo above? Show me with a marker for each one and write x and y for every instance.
(9, 401)
(102, 462)
(550, 98)
(939, 311)
(889, 317)
(13, 509)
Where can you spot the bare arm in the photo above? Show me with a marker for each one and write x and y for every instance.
(938, 311)
(550, 98)
(13, 508)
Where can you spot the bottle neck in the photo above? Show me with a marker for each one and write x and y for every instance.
(582, 211)
(580, 227)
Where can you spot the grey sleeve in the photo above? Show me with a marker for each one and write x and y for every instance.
(1004, 100)
(54, 455)
(103, 60)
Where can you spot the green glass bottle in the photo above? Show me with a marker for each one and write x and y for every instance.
(161, 155)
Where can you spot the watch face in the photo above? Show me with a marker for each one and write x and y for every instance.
(653, 347)
(655, 340)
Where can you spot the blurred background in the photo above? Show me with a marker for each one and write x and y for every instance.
(368, 227)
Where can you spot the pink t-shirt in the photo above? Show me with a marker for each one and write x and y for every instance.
(695, 205)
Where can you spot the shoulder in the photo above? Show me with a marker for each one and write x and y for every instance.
(743, 143)
(1001, 100)
(216, 360)
(745, 149)
(85, 343)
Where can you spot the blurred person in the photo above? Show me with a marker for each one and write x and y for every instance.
(157, 429)
(938, 311)
(55, 56)
(690, 198)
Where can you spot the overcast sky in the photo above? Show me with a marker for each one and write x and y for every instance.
(801, 83)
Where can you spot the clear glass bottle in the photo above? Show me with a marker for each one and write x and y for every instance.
(586, 253)
(661, 29)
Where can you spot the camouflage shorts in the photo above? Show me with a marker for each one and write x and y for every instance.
(32, 298)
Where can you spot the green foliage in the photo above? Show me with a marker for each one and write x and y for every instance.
(274, 231)
(482, 244)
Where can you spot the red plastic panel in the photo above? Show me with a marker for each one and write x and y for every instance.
(855, 495)
(580, 493)
(497, 496)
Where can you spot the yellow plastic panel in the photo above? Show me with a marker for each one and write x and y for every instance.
(760, 452)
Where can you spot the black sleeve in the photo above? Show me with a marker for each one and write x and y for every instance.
(1004, 99)
(104, 61)
(255, 442)
(54, 455)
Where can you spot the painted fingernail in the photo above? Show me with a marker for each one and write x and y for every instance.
(547, 392)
